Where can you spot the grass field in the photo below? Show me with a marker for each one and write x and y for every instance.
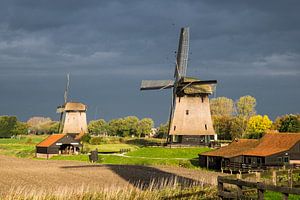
(138, 155)
(20, 147)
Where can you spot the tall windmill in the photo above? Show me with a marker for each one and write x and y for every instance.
(190, 119)
(72, 116)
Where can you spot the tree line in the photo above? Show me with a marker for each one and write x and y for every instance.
(231, 119)
(238, 119)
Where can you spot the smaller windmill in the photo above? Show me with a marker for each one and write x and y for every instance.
(72, 116)
(190, 119)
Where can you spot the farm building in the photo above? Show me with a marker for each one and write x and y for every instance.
(57, 144)
(272, 150)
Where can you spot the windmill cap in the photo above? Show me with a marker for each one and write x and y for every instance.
(75, 106)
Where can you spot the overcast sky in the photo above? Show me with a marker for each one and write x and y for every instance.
(251, 48)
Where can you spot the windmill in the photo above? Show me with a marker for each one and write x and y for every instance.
(190, 119)
(72, 116)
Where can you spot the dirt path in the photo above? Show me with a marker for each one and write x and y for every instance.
(46, 174)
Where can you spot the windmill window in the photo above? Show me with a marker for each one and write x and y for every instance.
(202, 99)
(174, 128)
(179, 99)
(205, 127)
(187, 112)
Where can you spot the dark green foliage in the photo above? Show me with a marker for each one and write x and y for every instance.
(105, 140)
(229, 127)
(162, 131)
(20, 128)
(146, 142)
(130, 126)
(98, 127)
(7, 125)
(288, 123)
(86, 138)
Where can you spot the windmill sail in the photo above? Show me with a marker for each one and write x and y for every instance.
(156, 84)
(182, 54)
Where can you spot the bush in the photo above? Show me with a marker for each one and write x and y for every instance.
(105, 140)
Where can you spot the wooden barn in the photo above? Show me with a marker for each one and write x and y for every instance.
(272, 150)
(57, 144)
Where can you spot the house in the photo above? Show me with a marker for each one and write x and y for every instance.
(57, 144)
(272, 150)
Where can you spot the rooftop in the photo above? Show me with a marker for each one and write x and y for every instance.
(50, 140)
(269, 144)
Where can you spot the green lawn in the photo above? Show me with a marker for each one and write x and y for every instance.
(138, 155)
(110, 147)
(165, 152)
(20, 147)
(269, 195)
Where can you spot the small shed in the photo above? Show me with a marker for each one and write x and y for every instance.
(57, 144)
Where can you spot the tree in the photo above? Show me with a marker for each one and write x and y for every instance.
(117, 127)
(145, 127)
(53, 127)
(20, 128)
(162, 130)
(7, 125)
(228, 127)
(246, 106)
(131, 124)
(221, 106)
(98, 127)
(257, 125)
(40, 125)
(287, 123)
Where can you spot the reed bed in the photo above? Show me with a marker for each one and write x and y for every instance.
(157, 189)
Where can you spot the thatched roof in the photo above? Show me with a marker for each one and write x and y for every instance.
(74, 106)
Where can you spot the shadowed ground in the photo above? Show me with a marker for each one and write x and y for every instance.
(47, 174)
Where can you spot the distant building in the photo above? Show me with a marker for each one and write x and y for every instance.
(57, 144)
(75, 121)
(273, 149)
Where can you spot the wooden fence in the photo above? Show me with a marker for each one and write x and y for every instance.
(258, 186)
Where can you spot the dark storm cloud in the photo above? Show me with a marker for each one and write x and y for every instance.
(109, 46)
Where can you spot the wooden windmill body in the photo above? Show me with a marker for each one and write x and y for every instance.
(73, 119)
(190, 119)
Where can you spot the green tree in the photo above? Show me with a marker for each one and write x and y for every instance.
(116, 127)
(7, 125)
(53, 127)
(222, 106)
(131, 124)
(98, 127)
(257, 125)
(145, 127)
(20, 128)
(162, 131)
(245, 106)
(287, 123)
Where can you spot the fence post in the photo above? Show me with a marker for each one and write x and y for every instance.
(285, 196)
(239, 191)
(260, 191)
(257, 175)
(290, 178)
(220, 187)
(274, 177)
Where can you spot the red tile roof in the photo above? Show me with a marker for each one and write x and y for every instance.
(50, 140)
(273, 143)
(235, 148)
(269, 144)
